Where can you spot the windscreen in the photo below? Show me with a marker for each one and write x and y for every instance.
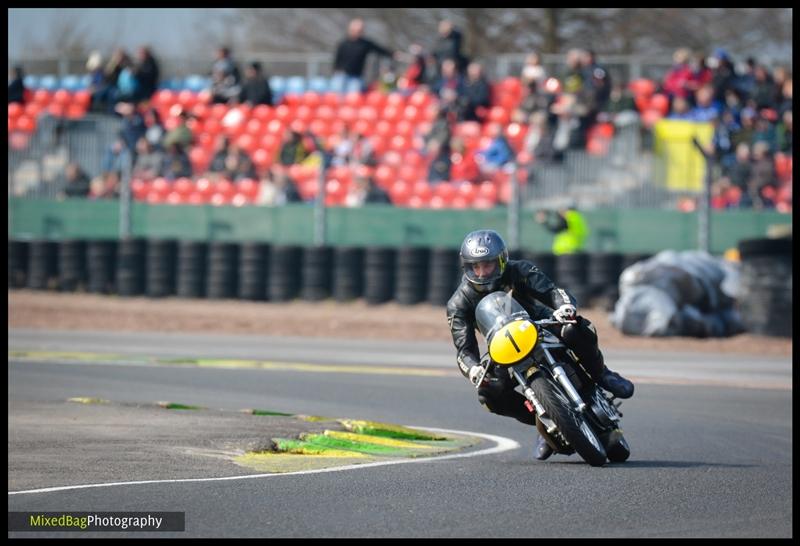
(496, 310)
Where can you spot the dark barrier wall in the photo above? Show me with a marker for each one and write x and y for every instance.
(258, 271)
(626, 231)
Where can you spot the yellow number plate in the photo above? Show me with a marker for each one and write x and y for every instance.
(513, 342)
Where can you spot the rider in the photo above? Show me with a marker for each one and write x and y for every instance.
(484, 259)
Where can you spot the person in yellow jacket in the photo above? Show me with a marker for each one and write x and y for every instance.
(570, 228)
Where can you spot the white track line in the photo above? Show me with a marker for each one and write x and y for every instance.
(503, 444)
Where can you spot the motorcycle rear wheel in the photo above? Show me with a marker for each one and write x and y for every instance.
(570, 423)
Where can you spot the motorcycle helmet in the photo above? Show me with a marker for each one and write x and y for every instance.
(483, 257)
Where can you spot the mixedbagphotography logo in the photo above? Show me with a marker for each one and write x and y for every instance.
(96, 521)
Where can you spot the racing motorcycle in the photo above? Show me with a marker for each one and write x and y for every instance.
(573, 414)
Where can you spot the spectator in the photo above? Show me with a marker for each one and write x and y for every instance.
(415, 74)
(106, 96)
(463, 165)
(449, 87)
(439, 168)
(569, 227)
(764, 131)
(497, 154)
(785, 102)
(533, 71)
(747, 127)
(704, 110)
(255, 89)
(677, 81)
(441, 129)
(114, 157)
(701, 73)
(763, 92)
(724, 73)
(363, 152)
(146, 72)
(97, 82)
(75, 182)
(176, 163)
(573, 79)
(783, 133)
(155, 129)
(149, 160)
(225, 65)
(621, 107)
(133, 127)
(475, 97)
(232, 163)
(224, 88)
(295, 148)
(364, 192)
(16, 87)
(680, 109)
(181, 135)
(762, 176)
(722, 140)
(351, 53)
(598, 79)
(740, 172)
(448, 47)
(539, 141)
(128, 86)
(105, 186)
(278, 189)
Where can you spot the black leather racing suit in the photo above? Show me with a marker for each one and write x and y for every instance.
(539, 296)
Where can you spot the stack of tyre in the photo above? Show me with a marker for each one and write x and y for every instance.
(765, 291)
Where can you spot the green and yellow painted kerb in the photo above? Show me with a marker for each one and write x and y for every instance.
(360, 442)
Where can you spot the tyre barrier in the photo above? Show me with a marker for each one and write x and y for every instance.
(603, 278)
(316, 273)
(444, 275)
(17, 263)
(42, 265)
(223, 262)
(571, 274)
(253, 259)
(283, 272)
(765, 290)
(379, 274)
(71, 265)
(545, 261)
(191, 269)
(348, 273)
(130, 267)
(260, 271)
(160, 268)
(411, 278)
(101, 264)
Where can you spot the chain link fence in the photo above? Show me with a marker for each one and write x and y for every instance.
(36, 166)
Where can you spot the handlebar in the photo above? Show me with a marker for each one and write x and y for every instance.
(550, 322)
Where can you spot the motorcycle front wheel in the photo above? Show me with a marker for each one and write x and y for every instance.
(570, 423)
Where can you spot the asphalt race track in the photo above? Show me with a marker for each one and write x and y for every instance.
(711, 438)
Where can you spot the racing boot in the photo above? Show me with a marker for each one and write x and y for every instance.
(615, 384)
(542, 450)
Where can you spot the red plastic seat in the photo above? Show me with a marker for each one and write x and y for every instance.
(642, 87)
(659, 102)
(311, 99)
(375, 99)
(353, 99)
(249, 188)
(400, 192)
(200, 159)
(26, 124)
(384, 176)
(205, 188)
(254, 127)
(82, 97)
(15, 110)
(164, 98)
(420, 99)
(183, 187)
(187, 99)
(263, 113)
(392, 113)
(140, 188)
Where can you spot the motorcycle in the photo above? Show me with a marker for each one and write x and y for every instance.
(573, 414)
